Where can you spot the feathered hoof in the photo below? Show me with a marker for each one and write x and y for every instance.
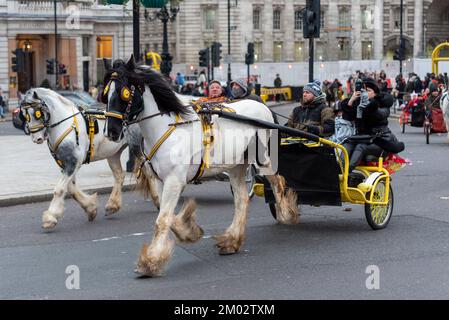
(91, 215)
(49, 222)
(49, 225)
(91, 209)
(185, 227)
(150, 263)
(111, 209)
(228, 244)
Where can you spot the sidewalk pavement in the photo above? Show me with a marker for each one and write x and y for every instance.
(29, 173)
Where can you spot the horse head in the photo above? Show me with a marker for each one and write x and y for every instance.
(123, 96)
(36, 114)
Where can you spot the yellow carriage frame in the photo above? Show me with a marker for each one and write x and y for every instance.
(436, 58)
(364, 193)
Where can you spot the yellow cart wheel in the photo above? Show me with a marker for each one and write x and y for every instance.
(378, 216)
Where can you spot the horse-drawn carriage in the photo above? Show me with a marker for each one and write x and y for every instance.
(416, 114)
(318, 172)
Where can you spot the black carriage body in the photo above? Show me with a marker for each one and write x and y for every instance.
(310, 171)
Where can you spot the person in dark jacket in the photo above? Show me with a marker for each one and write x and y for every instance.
(239, 90)
(369, 110)
(313, 116)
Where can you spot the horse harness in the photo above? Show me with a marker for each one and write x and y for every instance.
(208, 138)
(90, 125)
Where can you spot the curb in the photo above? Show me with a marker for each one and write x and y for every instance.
(47, 196)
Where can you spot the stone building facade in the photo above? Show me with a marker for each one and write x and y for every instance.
(350, 29)
(87, 33)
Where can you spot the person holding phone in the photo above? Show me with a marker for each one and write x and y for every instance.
(368, 109)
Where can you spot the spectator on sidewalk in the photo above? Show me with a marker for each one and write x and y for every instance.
(278, 84)
(239, 90)
(2, 105)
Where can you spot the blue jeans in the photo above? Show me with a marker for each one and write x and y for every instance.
(2, 112)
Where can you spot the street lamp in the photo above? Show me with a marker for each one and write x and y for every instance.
(165, 15)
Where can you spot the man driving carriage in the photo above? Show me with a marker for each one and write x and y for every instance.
(369, 110)
(313, 115)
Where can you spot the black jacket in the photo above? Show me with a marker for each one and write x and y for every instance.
(374, 121)
(375, 116)
(317, 119)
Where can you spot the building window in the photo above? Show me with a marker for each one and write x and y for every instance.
(209, 19)
(367, 19)
(343, 49)
(367, 50)
(322, 21)
(397, 18)
(299, 51)
(298, 19)
(104, 47)
(258, 52)
(277, 54)
(156, 47)
(277, 19)
(344, 18)
(320, 53)
(256, 19)
(86, 46)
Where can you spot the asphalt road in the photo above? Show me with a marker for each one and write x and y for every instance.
(7, 129)
(325, 256)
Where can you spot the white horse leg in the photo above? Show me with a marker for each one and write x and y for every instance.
(184, 226)
(89, 203)
(151, 186)
(153, 257)
(55, 212)
(232, 239)
(115, 199)
(287, 208)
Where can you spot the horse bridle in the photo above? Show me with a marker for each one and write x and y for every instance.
(38, 110)
(39, 114)
(126, 94)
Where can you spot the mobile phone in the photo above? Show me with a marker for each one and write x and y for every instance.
(358, 85)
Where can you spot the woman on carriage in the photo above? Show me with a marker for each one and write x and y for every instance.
(369, 110)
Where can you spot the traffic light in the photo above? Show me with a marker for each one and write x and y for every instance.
(312, 19)
(398, 55)
(249, 57)
(62, 69)
(216, 54)
(50, 66)
(18, 60)
(204, 57)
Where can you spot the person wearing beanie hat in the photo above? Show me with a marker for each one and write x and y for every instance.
(215, 93)
(313, 115)
(239, 90)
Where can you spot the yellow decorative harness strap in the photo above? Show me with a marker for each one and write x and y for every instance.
(54, 149)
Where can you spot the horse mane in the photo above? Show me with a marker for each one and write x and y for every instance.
(50, 97)
(164, 95)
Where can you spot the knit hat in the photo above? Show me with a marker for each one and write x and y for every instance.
(371, 83)
(214, 81)
(314, 88)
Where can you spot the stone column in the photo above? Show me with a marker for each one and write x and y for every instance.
(418, 29)
(356, 39)
(288, 15)
(267, 22)
(245, 27)
(332, 45)
(379, 30)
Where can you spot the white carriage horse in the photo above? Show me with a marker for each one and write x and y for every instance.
(55, 119)
(444, 104)
(177, 152)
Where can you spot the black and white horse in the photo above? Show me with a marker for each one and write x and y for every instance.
(177, 146)
(55, 119)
